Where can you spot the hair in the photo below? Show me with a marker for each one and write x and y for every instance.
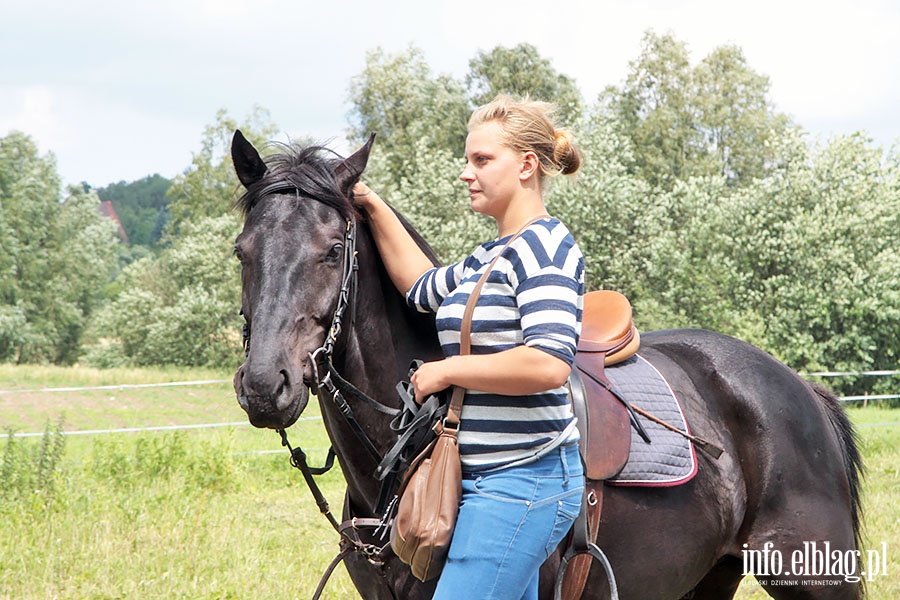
(528, 126)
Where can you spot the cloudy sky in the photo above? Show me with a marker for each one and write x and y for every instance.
(118, 90)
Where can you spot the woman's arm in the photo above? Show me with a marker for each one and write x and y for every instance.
(517, 371)
(404, 260)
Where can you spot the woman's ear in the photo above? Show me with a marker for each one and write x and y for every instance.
(530, 165)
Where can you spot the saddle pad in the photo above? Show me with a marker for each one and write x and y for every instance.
(670, 458)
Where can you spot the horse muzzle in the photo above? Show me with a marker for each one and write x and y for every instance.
(271, 400)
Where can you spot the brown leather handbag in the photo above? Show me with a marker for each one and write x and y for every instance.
(432, 487)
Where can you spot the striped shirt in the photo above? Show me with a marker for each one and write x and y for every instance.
(533, 296)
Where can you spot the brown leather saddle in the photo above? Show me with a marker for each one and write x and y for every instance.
(608, 336)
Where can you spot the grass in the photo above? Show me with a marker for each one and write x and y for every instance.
(202, 513)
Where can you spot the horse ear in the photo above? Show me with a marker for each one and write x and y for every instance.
(247, 163)
(348, 171)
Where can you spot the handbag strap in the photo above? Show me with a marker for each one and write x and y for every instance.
(465, 330)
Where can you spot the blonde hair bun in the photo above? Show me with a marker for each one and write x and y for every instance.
(565, 154)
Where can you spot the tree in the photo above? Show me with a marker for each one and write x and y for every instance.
(828, 269)
(180, 308)
(801, 263)
(397, 98)
(735, 119)
(711, 120)
(522, 72)
(652, 110)
(142, 207)
(604, 207)
(56, 257)
(201, 189)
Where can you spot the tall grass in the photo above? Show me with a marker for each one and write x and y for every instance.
(194, 515)
(159, 516)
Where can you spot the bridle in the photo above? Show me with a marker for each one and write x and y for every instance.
(328, 381)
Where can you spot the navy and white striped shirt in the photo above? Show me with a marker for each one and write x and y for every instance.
(533, 296)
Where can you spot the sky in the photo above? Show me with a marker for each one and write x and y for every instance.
(118, 90)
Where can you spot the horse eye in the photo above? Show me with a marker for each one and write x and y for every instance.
(334, 255)
(237, 252)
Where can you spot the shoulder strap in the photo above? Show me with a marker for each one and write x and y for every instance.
(465, 331)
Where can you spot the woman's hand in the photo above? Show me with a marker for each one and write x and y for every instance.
(404, 260)
(363, 197)
(430, 378)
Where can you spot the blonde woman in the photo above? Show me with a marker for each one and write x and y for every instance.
(522, 474)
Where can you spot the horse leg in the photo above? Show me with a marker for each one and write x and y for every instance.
(808, 552)
(721, 582)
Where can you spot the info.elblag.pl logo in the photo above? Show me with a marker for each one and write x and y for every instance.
(814, 560)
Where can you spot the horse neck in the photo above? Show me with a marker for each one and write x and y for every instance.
(384, 338)
(387, 334)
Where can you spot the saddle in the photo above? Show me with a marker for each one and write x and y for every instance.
(608, 336)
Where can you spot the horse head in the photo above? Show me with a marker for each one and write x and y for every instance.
(292, 252)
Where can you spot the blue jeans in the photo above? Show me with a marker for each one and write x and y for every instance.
(510, 521)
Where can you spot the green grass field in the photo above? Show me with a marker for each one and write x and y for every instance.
(215, 512)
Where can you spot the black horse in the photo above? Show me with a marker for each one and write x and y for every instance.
(782, 501)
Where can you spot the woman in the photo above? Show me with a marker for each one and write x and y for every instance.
(522, 474)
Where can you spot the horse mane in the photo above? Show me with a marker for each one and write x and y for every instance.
(309, 170)
(421, 242)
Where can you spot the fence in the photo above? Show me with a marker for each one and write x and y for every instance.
(824, 374)
(864, 398)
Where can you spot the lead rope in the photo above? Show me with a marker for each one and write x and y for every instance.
(348, 531)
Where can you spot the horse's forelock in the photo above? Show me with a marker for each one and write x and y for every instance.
(309, 170)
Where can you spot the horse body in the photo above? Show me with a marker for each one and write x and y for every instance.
(782, 479)
(788, 475)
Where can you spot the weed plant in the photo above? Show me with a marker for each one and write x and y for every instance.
(29, 473)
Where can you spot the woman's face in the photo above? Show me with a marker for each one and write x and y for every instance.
(492, 170)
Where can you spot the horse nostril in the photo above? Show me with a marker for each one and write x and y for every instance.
(282, 400)
(238, 380)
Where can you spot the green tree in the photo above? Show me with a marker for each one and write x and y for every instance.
(521, 72)
(653, 110)
(801, 263)
(200, 190)
(405, 105)
(604, 207)
(57, 257)
(827, 270)
(737, 122)
(711, 120)
(181, 307)
(141, 206)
